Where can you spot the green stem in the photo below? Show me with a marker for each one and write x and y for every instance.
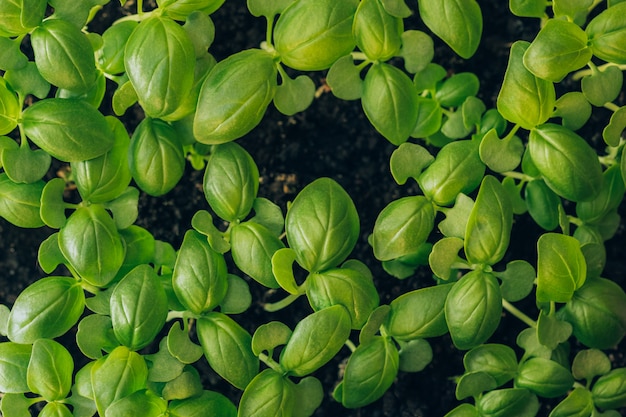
(272, 307)
(512, 132)
(172, 315)
(518, 175)
(611, 106)
(519, 314)
(271, 363)
(350, 344)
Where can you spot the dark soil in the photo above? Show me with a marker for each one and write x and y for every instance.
(332, 139)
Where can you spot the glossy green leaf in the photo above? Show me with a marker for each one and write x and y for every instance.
(389, 101)
(231, 182)
(163, 366)
(159, 60)
(282, 269)
(55, 409)
(508, 402)
(590, 363)
(472, 384)
(11, 57)
(596, 313)
(92, 245)
(578, 403)
(68, 129)
(53, 206)
(200, 276)
(567, 163)
(558, 49)
(501, 155)
(14, 358)
(602, 86)
(444, 258)
(268, 9)
(20, 17)
(270, 335)
(456, 89)
(124, 208)
(375, 320)
(94, 335)
(514, 189)
(402, 227)
(456, 169)
(574, 110)
(458, 23)
(10, 109)
(322, 225)
(110, 56)
(144, 403)
(269, 394)
(238, 297)
(417, 50)
(405, 266)
(202, 222)
(50, 370)
(561, 267)
(528, 8)
(378, 34)
(201, 31)
(227, 347)
(429, 118)
(370, 371)
(415, 355)
(207, 402)
(609, 391)
(429, 77)
(24, 165)
(551, 331)
(252, 248)
(48, 308)
(610, 196)
(123, 98)
(408, 161)
(117, 375)
(543, 204)
(607, 34)
(612, 133)
(344, 79)
(180, 9)
(181, 347)
(347, 287)
(20, 203)
(315, 340)
(234, 96)
(310, 35)
(455, 223)
(268, 214)
(524, 98)
(63, 55)
(418, 314)
(294, 95)
(544, 377)
(473, 308)
(498, 361)
(463, 410)
(518, 280)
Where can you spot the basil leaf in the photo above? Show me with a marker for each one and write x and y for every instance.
(294, 95)
(200, 277)
(561, 267)
(518, 280)
(370, 371)
(144, 403)
(524, 99)
(574, 110)
(50, 370)
(94, 335)
(138, 308)
(20, 17)
(55, 409)
(579, 402)
(613, 131)
(344, 79)
(238, 297)
(609, 198)
(270, 335)
(156, 157)
(590, 363)
(501, 155)
(418, 314)
(459, 23)
(528, 8)
(322, 225)
(418, 49)
(347, 287)
(607, 34)
(444, 259)
(408, 161)
(472, 384)
(24, 165)
(559, 48)
(20, 203)
(315, 340)
(227, 347)
(9, 108)
(14, 358)
(498, 361)
(310, 35)
(551, 331)
(110, 55)
(378, 34)
(231, 182)
(603, 85)
(489, 226)
(456, 89)
(390, 102)
(212, 403)
(262, 8)
(92, 245)
(63, 55)
(268, 394)
(159, 59)
(243, 84)
(473, 308)
(48, 308)
(543, 204)
(544, 377)
(68, 129)
(506, 402)
(609, 391)
(579, 174)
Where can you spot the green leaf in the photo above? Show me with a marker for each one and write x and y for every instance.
(498, 361)
(527, 339)
(528, 8)
(270, 335)
(415, 355)
(11, 58)
(161, 73)
(201, 31)
(559, 48)
(456, 169)
(186, 385)
(489, 226)
(524, 99)
(579, 403)
(156, 157)
(243, 84)
(418, 50)
(508, 402)
(55, 409)
(20, 203)
(344, 79)
(456, 89)
(429, 77)
(418, 314)
(53, 206)
(144, 403)
(513, 189)
(561, 268)
(472, 384)
(596, 313)
(68, 129)
(455, 223)
(48, 308)
(227, 347)
(590, 363)
(459, 23)
(408, 161)
(444, 258)
(92, 245)
(607, 34)
(567, 163)
(544, 377)
(268, 214)
(375, 320)
(322, 225)
(294, 95)
(209, 402)
(501, 155)
(608, 200)
(231, 182)
(63, 55)
(50, 370)
(252, 249)
(200, 276)
(347, 287)
(311, 35)
(390, 102)
(282, 269)
(94, 335)
(370, 371)
(551, 331)
(378, 34)
(574, 110)
(238, 297)
(612, 133)
(117, 375)
(123, 98)
(609, 391)
(518, 280)
(268, 394)
(14, 358)
(602, 86)
(463, 410)
(429, 118)
(163, 366)
(268, 9)
(110, 55)
(180, 345)
(202, 222)
(180, 9)
(473, 309)
(543, 204)
(405, 266)
(9, 108)
(315, 340)
(125, 208)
